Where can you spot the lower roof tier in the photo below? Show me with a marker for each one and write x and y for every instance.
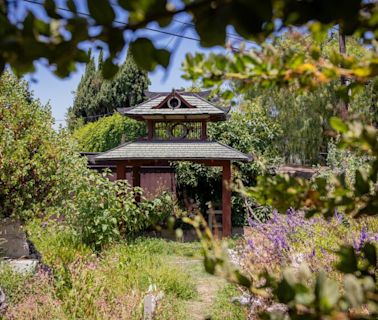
(172, 150)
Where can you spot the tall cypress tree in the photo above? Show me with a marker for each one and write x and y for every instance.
(127, 88)
(95, 96)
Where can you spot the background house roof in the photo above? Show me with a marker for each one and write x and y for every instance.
(202, 108)
(172, 150)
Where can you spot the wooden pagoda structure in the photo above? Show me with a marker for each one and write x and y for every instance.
(177, 131)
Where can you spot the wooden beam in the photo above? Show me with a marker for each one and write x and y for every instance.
(226, 200)
(121, 171)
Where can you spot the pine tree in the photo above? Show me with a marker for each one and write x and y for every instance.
(95, 96)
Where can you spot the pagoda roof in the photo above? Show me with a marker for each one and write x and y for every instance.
(193, 106)
(153, 94)
(172, 150)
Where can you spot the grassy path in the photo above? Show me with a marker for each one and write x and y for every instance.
(207, 287)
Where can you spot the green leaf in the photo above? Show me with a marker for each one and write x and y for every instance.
(338, 124)
(362, 184)
(242, 279)
(327, 293)
(285, 292)
(353, 291)
(348, 260)
(71, 5)
(109, 69)
(370, 253)
(147, 56)
(101, 11)
(209, 265)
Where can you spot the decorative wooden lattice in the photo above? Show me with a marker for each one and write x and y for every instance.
(177, 130)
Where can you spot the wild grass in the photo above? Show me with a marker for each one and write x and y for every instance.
(109, 285)
(224, 309)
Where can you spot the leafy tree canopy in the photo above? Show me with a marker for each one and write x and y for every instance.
(302, 114)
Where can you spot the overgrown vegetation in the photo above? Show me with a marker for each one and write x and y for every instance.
(43, 175)
(83, 285)
(38, 165)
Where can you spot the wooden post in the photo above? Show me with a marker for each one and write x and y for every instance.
(150, 129)
(136, 180)
(204, 130)
(226, 200)
(121, 171)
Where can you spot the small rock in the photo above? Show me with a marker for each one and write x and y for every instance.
(243, 300)
(23, 265)
(3, 304)
(277, 308)
(14, 244)
(234, 257)
(150, 302)
(297, 260)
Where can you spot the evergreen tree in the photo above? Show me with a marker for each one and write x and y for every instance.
(96, 96)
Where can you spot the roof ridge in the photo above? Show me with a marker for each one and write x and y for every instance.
(231, 148)
(143, 102)
(119, 146)
(210, 103)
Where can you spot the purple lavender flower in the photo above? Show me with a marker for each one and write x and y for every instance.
(252, 223)
(338, 216)
(362, 239)
(274, 216)
(251, 244)
(312, 254)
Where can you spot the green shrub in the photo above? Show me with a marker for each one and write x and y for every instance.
(101, 211)
(37, 163)
(341, 161)
(108, 133)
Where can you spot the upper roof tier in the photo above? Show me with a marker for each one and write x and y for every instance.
(177, 105)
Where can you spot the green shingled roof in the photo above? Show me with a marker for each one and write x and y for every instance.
(172, 150)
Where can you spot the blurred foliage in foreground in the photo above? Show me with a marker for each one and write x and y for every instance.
(58, 36)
